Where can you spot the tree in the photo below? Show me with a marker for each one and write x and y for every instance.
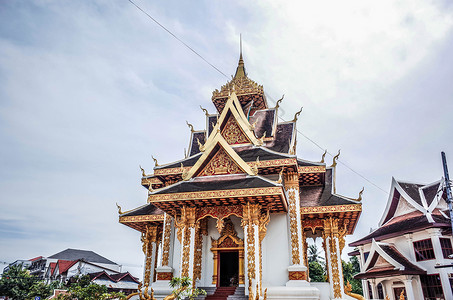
(18, 284)
(181, 288)
(351, 268)
(316, 272)
(82, 288)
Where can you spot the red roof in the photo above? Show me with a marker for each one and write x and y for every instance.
(36, 258)
(52, 267)
(64, 265)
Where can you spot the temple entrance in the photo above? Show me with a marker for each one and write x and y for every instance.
(229, 268)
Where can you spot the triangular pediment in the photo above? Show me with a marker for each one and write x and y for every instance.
(233, 125)
(233, 133)
(378, 258)
(220, 164)
(218, 158)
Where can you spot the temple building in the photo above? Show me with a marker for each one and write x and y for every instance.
(410, 250)
(238, 209)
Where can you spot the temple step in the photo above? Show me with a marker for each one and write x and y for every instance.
(222, 293)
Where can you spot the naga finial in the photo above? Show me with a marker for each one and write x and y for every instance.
(280, 176)
(335, 158)
(279, 101)
(119, 209)
(292, 151)
(360, 194)
(190, 126)
(252, 126)
(323, 156)
(297, 114)
(155, 161)
(204, 110)
(200, 145)
(143, 171)
(261, 139)
(255, 166)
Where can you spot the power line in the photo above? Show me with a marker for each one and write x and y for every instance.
(177, 38)
(205, 60)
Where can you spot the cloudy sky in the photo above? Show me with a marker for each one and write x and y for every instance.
(89, 90)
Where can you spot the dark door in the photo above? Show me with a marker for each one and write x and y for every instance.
(229, 268)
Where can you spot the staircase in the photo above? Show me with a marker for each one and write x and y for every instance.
(223, 293)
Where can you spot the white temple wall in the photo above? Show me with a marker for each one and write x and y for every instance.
(276, 255)
(176, 261)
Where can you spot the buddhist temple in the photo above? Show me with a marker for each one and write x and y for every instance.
(234, 214)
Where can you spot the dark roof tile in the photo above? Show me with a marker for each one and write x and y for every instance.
(86, 255)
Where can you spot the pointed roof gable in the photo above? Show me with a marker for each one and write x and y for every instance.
(385, 260)
(218, 148)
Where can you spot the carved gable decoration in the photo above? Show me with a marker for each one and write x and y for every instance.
(233, 134)
(228, 243)
(228, 237)
(221, 163)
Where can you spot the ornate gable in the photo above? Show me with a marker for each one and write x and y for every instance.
(221, 164)
(233, 133)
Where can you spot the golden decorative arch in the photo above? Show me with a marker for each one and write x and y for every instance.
(228, 241)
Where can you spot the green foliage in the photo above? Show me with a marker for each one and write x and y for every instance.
(316, 272)
(351, 268)
(82, 288)
(18, 284)
(182, 288)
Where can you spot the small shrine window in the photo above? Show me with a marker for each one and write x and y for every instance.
(432, 287)
(424, 250)
(380, 291)
(446, 247)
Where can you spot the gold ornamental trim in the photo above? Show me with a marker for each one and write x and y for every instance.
(216, 194)
(171, 171)
(152, 180)
(312, 169)
(144, 218)
(259, 164)
(329, 209)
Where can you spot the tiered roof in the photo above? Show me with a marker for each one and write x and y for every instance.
(239, 158)
(411, 207)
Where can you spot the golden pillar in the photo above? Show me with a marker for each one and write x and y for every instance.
(333, 256)
(186, 235)
(149, 247)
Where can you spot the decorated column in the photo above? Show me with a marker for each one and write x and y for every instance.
(297, 270)
(250, 223)
(332, 240)
(186, 226)
(164, 271)
(149, 247)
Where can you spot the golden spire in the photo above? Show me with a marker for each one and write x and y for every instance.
(334, 162)
(323, 156)
(240, 71)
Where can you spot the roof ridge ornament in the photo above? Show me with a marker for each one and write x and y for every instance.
(360, 194)
(335, 158)
(279, 101)
(255, 166)
(297, 114)
(201, 147)
(119, 209)
(143, 171)
(323, 157)
(155, 161)
(280, 176)
(190, 126)
(204, 110)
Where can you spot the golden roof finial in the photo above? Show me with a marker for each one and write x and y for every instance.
(184, 173)
(155, 161)
(119, 209)
(360, 194)
(279, 101)
(261, 139)
(240, 71)
(204, 110)
(143, 171)
(292, 151)
(323, 156)
(255, 166)
(252, 126)
(200, 145)
(190, 126)
(297, 114)
(334, 162)
(280, 176)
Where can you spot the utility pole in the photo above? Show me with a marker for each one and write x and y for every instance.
(448, 187)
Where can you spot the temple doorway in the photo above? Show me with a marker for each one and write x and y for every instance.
(229, 268)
